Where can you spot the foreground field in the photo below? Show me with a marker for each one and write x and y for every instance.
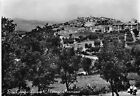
(123, 93)
(93, 80)
(83, 81)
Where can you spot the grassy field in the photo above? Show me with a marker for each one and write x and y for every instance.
(93, 80)
(122, 93)
(83, 81)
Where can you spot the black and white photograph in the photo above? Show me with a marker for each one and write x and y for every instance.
(70, 47)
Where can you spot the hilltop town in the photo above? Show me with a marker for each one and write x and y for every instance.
(84, 31)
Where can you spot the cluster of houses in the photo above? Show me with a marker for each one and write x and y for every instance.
(97, 24)
(116, 26)
(94, 24)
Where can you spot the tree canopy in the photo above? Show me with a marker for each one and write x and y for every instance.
(31, 56)
(112, 64)
(69, 64)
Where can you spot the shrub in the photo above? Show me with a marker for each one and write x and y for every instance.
(97, 42)
(121, 37)
(137, 42)
(96, 49)
(129, 37)
(82, 38)
(86, 45)
(93, 36)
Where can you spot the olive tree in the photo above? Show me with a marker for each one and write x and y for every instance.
(112, 64)
(69, 64)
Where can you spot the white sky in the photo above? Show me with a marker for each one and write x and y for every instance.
(68, 9)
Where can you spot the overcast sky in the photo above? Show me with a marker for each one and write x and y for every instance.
(68, 9)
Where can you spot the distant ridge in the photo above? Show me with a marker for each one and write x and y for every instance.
(28, 25)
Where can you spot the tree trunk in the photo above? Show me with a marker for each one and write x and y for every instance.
(112, 93)
(67, 86)
(117, 94)
(112, 88)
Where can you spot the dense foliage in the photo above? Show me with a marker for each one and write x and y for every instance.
(112, 64)
(8, 55)
(86, 63)
(69, 65)
(30, 56)
(35, 56)
(136, 53)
